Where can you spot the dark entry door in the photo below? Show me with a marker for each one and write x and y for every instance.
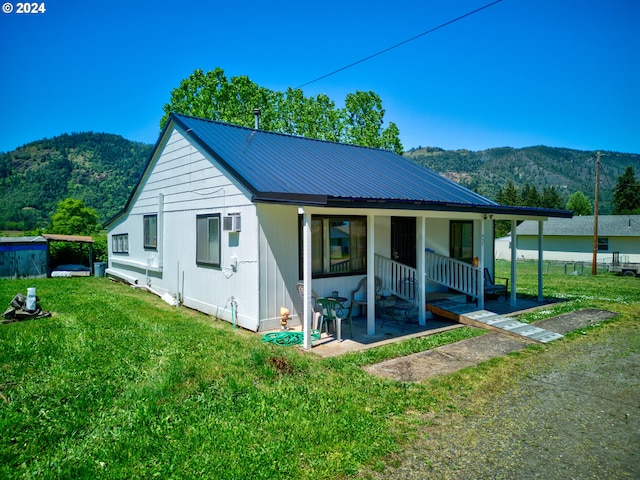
(403, 240)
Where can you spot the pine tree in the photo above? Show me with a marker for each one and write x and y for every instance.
(626, 194)
(530, 196)
(551, 198)
(509, 195)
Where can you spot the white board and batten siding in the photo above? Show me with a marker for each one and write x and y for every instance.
(180, 184)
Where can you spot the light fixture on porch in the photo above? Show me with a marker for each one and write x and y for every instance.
(284, 317)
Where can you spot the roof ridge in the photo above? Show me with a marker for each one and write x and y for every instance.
(281, 134)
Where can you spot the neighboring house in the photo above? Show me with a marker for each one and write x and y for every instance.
(572, 239)
(24, 257)
(228, 219)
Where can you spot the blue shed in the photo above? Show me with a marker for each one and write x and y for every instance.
(23, 257)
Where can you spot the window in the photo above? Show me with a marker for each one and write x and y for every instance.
(208, 240)
(603, 244)
(461, 241)
(151, 231)
(338, 245)
(120, 243)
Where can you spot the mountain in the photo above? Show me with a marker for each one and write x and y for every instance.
(488, 171)
(99, 168)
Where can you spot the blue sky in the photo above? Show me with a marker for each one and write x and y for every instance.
(562, 73)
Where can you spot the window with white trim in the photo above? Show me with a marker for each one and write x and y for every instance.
(208, 240)
(120, 243)
(151, 231)
(338, 245)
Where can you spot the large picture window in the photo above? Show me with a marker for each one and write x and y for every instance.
(339, 245)
(208, 240)
(151, 231)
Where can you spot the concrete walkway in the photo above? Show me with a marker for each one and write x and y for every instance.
(466, 353)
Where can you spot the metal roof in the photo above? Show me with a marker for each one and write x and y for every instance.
(281, 167)
(608, 226)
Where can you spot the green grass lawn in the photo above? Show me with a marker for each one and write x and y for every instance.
(118, 384)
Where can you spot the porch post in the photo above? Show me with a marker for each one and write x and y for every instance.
(371, 277)
(306, 279)
(540, 259)
(514, 257)
(422, 282)
(480, 272)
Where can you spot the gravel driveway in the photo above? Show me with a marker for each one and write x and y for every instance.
(576, 415)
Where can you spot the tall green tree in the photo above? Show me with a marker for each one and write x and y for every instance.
(579, 204)
(72, 217)
(551, 198)
(530, 196)
(626, 193)
(508, 195)
(213, 96)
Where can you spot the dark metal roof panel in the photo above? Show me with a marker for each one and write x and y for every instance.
(276, 164)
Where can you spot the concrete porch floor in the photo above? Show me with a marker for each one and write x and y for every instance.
(391, 331)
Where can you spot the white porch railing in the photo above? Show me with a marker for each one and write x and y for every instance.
(397, 278)
(454, 274)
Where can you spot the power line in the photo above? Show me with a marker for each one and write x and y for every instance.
(401, 43)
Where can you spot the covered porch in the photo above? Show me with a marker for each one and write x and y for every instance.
(435, 271)
(390, 331)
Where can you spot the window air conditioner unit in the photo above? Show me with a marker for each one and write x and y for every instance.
(232, 223)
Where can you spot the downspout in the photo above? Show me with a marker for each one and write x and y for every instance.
(160, 228)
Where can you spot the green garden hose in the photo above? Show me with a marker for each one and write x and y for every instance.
(288, 339)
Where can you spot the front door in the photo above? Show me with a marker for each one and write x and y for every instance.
(403, 240)
(461, 241)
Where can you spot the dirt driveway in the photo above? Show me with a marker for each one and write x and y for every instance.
(576, 415)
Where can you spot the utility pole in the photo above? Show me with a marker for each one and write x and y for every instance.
(594, 264)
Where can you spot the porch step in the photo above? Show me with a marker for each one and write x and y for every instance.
(468, 314)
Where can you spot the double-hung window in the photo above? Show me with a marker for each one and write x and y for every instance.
(208, 240)
(151, 231)
(338, 245)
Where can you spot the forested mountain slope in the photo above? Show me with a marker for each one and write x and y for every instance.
(99, 168)
(488, 171)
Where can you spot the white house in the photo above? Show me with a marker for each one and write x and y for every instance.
(572, 239)
(227, 220)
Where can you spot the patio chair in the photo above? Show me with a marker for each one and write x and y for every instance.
(492, 289)
(315, 308)
(359, 295)
(333, 311)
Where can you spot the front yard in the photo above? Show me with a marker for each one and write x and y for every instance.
(118, 384)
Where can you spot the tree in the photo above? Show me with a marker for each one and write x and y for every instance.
(509, 195)
(551, 198)
(530, 196)
(579, 204)
(626, 193)
(211, 95)
(73, 218)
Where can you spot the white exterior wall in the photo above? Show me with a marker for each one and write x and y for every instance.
(570, 249)
(189, 184)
